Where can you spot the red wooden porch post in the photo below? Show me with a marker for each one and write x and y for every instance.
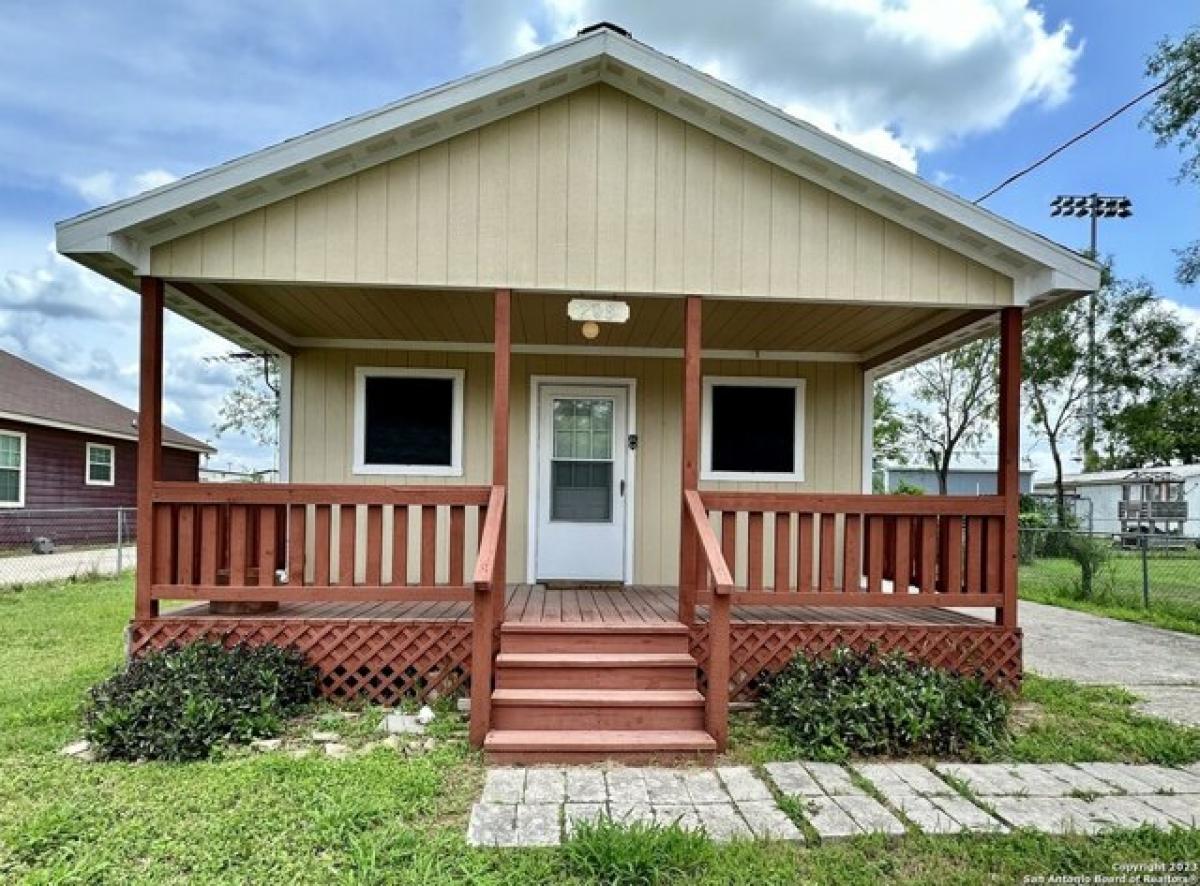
(149, 464)
(1008, 479)
(690, 474)
(501, 372)
(488, 603)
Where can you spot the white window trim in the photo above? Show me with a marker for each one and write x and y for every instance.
(706, 469)
(87, 464)
(454, 469)
(20, 502)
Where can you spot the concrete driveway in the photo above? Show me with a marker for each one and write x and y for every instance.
(1161, 667)
(64, 564)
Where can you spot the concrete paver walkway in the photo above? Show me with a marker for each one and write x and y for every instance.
(1161, 667)
(542, 806)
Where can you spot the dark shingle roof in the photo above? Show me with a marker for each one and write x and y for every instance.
(28, 392)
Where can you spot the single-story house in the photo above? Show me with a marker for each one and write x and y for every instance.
(1155, 500)
(959, 481)
(68, 458)
(577, 358)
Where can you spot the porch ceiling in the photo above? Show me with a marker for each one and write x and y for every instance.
(314, 316)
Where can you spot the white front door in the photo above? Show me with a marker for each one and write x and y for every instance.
(582, 473)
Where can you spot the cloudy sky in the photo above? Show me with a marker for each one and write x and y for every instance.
(101, 100)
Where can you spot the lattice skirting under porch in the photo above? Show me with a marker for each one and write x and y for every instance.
(758, 650)
(385, 660)
(381, 660)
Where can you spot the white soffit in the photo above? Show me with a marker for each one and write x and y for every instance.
(115, 240)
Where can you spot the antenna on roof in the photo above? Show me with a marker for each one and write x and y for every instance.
(605, 26)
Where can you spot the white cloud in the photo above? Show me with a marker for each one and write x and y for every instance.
(106, 186)
(895, 77)
(878, 140)
(79, 325)
(99, 187)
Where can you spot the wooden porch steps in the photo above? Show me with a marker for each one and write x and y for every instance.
(595, 670)
(583, 692)
(597, 709)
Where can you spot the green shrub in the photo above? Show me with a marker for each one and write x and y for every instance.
(1090, 555)
(180, 703)
(636, 854)
(867, 704)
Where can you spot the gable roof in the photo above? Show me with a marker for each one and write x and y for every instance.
(116, 239)
(35, 396)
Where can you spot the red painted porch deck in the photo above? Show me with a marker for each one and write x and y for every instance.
(633, 604)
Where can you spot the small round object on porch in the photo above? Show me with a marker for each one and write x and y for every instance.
(590, 329)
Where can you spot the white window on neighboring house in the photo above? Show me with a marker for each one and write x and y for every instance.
(101, 465)
(753, 429)
(12, 469)
(408, 421)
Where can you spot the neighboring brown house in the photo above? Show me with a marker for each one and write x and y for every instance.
(65, 448)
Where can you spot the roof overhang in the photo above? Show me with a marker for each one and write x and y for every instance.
(193, 446)
(115, 240)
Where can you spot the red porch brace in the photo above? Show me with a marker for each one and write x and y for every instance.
(1008, 479)
(149, 456)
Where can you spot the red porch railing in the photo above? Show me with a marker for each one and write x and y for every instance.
(860, 550)
(488, 612)
(230, 542)
(713, 571)
(837, 550)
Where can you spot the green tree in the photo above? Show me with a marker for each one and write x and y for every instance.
(888, 430)
(251, 406)
(1175, 118)
(1147, 375)
(956, 397)
(1054, 372)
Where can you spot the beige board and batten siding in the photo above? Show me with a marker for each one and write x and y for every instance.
(594, 191)
(322, 431)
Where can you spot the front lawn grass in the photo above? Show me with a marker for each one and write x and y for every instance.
(382, 818)
(1061, 721)
(1117, 593)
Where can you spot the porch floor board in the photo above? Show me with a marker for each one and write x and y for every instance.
(637, 604)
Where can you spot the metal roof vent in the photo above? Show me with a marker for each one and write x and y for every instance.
(605, 26)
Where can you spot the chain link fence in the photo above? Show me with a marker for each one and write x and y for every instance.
(1155, 571)
(63, 544)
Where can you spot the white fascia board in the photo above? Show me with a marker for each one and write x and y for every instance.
(1050, 284)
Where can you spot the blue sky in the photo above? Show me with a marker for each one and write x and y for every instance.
(98, 101)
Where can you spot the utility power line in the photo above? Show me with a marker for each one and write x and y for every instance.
(1081, 136)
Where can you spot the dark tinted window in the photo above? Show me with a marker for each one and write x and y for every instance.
(753, 429)
(409, 421)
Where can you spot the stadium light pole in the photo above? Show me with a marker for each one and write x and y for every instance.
(1094, 207)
